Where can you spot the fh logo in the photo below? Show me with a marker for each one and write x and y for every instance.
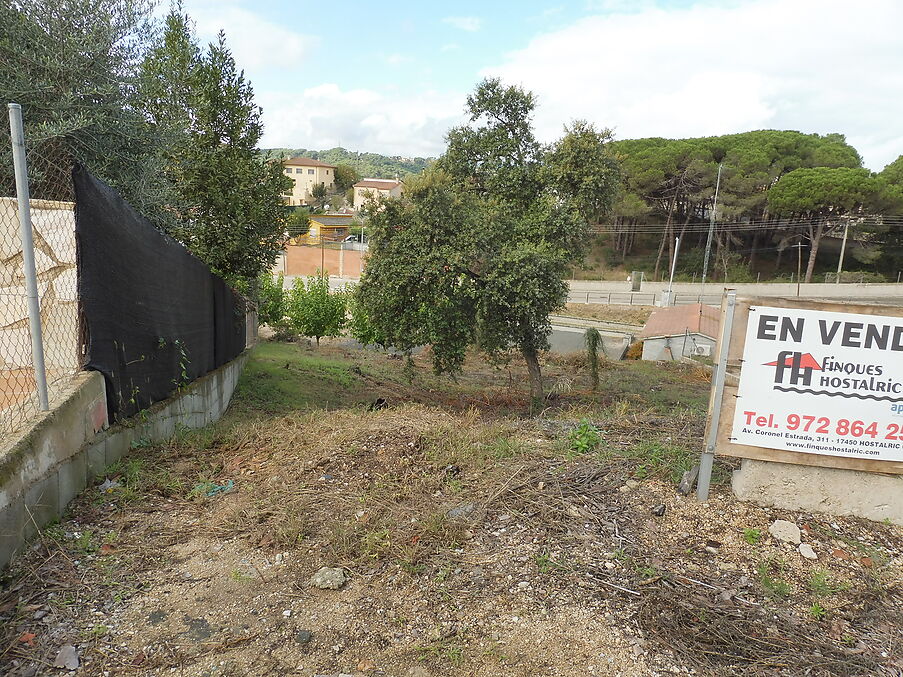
(796, 367)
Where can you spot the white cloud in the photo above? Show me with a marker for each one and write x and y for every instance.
(450, 47)
(813, 65)
(256, 44)
(619, 6)
(397, 59)
(359, 119)
(465, 23)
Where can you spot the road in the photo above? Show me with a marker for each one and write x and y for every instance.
(585, 291)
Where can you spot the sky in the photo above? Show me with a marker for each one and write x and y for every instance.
(393, 77)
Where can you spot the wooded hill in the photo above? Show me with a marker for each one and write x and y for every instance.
(777, 189)
(365, 164)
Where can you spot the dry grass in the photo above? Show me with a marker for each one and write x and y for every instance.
(633, 315)
(436, 506)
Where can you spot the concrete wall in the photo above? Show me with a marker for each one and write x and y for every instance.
(812, 290)
(56, 457)
(53, 225)
(833, 491)
(674, 347)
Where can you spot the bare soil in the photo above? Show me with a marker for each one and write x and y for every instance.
(477, 539)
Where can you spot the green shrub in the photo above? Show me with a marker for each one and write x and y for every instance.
(585, 437)
(360, 325)
(272, 297)
(314, 310)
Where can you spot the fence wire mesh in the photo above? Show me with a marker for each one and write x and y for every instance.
(53, 232)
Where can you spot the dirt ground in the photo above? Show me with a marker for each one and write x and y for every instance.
(633, 315)
(474, 539)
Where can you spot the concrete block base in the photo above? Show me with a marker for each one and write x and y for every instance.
(824, 490)
(63, 449)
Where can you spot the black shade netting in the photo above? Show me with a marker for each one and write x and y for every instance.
(154, 317)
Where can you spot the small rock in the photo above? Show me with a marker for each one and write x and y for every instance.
(328, 579)
(418, 671)
(67, 658)
(688, 481)
(523, 585)
(287, 613)
(807, 551)
(785, 531)
(304, 636)
(108, 486)
(461, 511)
(39, 614)
(658, 510)
(280, 558)
(631, 484)
(366, 665)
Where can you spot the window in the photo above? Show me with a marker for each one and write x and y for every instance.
(310, 171)
(288, 170)
(298, 170)
(327, 171)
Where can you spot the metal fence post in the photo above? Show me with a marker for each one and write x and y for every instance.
(708, 454)
(17, 134)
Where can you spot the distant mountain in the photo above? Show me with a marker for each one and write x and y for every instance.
(369, 165)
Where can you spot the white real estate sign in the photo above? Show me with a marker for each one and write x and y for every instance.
(821, 382)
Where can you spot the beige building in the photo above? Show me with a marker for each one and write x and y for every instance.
(307, 173)
(372, 188)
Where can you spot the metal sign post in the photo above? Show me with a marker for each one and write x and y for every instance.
(31, 283)
(708, 454)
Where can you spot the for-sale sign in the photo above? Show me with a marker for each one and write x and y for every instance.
(820, 382)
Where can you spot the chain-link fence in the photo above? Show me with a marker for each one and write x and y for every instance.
(39, 319)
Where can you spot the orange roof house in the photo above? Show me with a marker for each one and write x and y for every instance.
(367, 189)
(306, 173)
(681, 331)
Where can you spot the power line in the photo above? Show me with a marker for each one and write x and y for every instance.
(893, 223)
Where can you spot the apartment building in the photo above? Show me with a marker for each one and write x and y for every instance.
(306, 173)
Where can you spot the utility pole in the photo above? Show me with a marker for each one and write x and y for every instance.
(673, 268)
(843, 249)
(799, 263)
(708, 243)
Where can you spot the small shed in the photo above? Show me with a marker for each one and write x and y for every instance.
(680, 331)
(328, 228)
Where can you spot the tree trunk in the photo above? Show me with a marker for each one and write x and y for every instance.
(754, 253)
(815, 239)
(658, 259)
(531, 357)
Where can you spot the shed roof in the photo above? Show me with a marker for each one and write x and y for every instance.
(697, 318)
(331, 219)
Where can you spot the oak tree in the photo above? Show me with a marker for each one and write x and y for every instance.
(476, 251)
